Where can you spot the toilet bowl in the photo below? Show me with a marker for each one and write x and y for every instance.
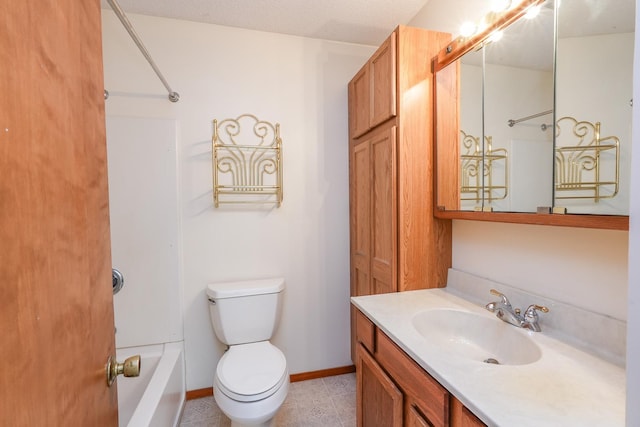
(251, 380)
(251, 383)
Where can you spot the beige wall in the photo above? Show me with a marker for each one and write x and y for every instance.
(301, 83)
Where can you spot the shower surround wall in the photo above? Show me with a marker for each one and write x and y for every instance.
(145, 229)
(223, 72)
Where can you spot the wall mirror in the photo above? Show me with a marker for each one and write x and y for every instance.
(533, 115)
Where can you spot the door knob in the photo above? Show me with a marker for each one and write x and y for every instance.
(130, 368)
(118, 280)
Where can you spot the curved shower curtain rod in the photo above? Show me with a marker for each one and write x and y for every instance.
(173, 96)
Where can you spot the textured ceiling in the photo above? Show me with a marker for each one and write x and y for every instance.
(356, 21)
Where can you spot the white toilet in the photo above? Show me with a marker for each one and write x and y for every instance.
(251, 380)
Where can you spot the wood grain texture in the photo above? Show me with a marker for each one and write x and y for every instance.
(303, 376)
(379, 403)
(606, 222)
(494, 21)
(359, 102)
(414, 418)
(360, 217)
(384, 226)
(409, 247)
(56, 306)
(365, 331)
(447, 137)
(322, 373)
(462, 417)
(424, 242)
(382, 67)
(426, 393)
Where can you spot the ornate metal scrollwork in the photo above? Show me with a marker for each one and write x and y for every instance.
(581, 171)
(478, 167)
(247, 166)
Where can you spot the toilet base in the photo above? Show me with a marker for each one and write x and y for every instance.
(251, 414)
(270, 423)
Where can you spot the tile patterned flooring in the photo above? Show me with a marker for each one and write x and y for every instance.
(327, 402)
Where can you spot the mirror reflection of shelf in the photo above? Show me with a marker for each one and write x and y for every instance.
(247, 166)
(478, 170)
(589, 167)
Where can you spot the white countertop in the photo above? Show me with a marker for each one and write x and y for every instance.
(565, 387)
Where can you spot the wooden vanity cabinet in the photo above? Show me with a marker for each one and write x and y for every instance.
(396, 242)
(462, 417)
(392, 390)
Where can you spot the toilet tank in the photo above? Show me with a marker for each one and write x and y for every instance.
(246, 311)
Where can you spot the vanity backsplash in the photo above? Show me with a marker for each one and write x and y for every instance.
(595, 333)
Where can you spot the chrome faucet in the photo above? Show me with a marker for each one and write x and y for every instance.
(505, 312)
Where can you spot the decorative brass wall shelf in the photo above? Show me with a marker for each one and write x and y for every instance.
(579, 167)
(247, 166)
(478, 170)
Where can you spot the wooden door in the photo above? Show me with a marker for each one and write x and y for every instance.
(379, 402)
(384, 212)
(56, 310)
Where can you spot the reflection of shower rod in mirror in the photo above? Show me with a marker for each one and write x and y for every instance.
(512, 122)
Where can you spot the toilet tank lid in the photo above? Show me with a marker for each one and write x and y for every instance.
(245, 287)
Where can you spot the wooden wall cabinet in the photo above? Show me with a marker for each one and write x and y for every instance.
(374, 89)
(396, 242)
(394, 391)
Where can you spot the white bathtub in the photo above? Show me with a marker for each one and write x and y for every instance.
(155, 398)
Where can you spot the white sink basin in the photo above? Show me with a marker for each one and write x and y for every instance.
(475, 337)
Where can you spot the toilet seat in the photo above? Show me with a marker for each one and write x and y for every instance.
(251, 372)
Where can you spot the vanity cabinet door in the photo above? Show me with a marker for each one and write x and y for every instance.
(379, 402)
(470, 420)
(462, 417)
(420, 389)
(415, 419)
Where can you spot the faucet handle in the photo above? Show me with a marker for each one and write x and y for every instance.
(531, 315)
(533, 307)
(502, 296)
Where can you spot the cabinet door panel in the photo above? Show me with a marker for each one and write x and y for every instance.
(383, 212)
(470, 420)
(360, 218)
(382, 67)
(379, 402)
(426, 393)
(360, 100)
(365, 331)
(414, 419)
(462, 417)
